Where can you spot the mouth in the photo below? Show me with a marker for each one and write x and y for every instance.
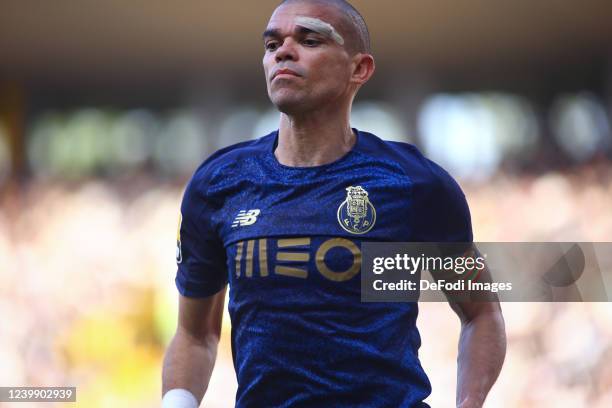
(285, 72)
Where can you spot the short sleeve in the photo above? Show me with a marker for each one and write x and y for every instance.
(200, 253)
(442, 213)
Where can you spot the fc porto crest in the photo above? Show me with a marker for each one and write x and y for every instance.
(356, 214)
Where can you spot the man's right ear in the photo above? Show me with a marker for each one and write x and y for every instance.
(364, 67)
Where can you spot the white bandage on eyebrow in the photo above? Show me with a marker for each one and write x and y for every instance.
(321, 27)
(179, 398)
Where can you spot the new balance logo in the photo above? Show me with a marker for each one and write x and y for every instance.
(245, 218)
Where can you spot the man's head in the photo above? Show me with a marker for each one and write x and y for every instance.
(317, 54)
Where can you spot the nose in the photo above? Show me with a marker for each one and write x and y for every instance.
(287, 51)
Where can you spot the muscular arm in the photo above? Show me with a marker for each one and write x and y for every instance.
(482, 348)
(191, 355)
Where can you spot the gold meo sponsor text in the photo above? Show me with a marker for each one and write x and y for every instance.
(291, 257)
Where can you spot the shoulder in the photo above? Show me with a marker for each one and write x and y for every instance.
(439, 205)
(230, 155)
(197, 191)
(421, 171)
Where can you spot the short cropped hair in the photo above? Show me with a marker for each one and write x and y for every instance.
(358, 33)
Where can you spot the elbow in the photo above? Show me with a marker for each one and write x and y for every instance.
(489, 315)
(485, 310)
(208, 339)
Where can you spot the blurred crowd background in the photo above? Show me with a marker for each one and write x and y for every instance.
(106, 108)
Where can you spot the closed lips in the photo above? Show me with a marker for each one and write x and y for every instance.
(284, 71)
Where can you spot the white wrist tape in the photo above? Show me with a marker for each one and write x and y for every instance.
(179, 398)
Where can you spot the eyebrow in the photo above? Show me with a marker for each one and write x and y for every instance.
(275, 33)
(272, 32)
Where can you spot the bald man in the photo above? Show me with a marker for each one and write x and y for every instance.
(281, 219)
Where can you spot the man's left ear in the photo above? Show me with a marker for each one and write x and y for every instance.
(363, 68)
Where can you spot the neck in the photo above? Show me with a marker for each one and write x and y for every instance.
(313, 140)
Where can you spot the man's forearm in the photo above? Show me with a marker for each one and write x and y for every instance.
(482, 348)
(188, 364)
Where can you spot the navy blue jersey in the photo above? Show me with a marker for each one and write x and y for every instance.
(288, 239)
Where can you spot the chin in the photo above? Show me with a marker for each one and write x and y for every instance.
(289, 104)
(290, 108)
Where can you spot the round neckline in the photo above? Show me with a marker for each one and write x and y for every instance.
(342, 158)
